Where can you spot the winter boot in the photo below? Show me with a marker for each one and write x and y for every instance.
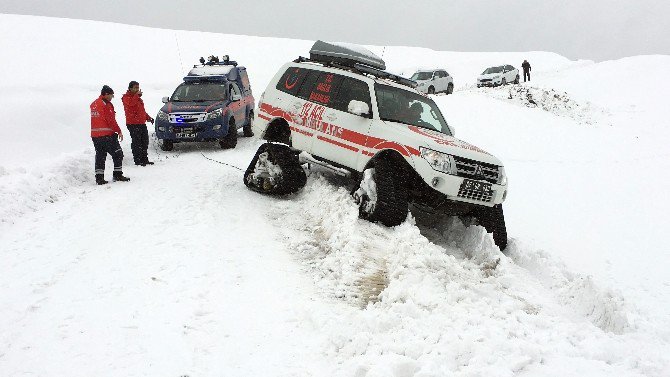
(147, 162)
(118, 176)
(100, 179)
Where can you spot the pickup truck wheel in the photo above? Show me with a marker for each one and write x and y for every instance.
(275, 170)
(248, 128)
(431, 90)
(165, 145)
(381, 196)
(230, 140)
(450, 88)
(493, 220)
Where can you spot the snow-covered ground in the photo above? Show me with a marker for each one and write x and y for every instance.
(183, 271)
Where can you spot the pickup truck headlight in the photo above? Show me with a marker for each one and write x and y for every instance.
(162, 115)
(439, 161)
(502, 177)
(214, 114)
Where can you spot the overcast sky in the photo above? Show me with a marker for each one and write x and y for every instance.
(578, 29)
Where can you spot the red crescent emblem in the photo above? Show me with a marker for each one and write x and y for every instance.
(295, 81)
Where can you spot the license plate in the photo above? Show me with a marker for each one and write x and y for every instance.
(185, 135)
(476, 186)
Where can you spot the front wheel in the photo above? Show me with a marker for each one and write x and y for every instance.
(230, 140)
(516, 80)
(493, 220)
(503, 82)
(165, 145)
(381, 195)
(450, 88)
(431, 90)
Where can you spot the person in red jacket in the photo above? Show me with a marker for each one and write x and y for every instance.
(136, 119)
(106, 134)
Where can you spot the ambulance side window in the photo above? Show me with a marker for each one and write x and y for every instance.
(291, 80)
(352, 89)
(308, 84)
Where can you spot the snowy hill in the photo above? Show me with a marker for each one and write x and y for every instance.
(183, 271)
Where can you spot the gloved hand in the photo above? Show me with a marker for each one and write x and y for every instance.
(120, 136)
(151, 120)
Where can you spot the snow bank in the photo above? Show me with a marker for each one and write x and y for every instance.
(27, 190)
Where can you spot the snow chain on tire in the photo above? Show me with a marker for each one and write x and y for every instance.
(275, 170)
(493, 220)
(392, 204)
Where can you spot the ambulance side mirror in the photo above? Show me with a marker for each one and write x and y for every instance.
(359, 108)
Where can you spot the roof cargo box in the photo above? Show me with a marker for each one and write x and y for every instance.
(345, 54)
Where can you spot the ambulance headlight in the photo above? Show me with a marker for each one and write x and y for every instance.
(214, 114)
(439, 161)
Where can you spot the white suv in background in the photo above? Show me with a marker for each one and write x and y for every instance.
(341, 110)
(500, 75)
(433, 81)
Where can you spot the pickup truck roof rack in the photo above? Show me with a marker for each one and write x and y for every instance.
(360, 69)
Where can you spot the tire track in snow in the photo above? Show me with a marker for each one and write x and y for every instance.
(450, 289)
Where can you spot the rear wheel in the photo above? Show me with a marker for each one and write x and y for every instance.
(248, 128)
(279, 131)
(165, 145)
(275, 170)
(381, 195)
(230, 140)
(493, 220)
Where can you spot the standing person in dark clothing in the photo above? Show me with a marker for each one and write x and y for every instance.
(526, 70)
(106, 134)
(136, 119)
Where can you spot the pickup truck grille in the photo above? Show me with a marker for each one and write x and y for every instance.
(476, 170)
(187, 117)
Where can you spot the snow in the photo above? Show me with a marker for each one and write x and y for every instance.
(211, 70)
(184, 271)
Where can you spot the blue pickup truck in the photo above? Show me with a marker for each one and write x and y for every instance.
(212, 104)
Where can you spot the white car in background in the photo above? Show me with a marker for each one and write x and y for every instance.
(500, 75)
(433, 81)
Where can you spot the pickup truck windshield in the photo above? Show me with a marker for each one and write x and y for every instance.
(200, 92)
(403, 106)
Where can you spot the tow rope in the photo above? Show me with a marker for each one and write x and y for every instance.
(222, 163)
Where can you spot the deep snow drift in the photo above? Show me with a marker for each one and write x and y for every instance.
(184, 271)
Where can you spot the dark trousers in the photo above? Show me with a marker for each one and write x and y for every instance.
(526, 74)
(107, 144)
(139, 142)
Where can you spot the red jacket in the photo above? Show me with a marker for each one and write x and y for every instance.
(134, 108)
(103, 121)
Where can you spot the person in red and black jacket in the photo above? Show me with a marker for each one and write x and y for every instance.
(106, 134)
(136, 119)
